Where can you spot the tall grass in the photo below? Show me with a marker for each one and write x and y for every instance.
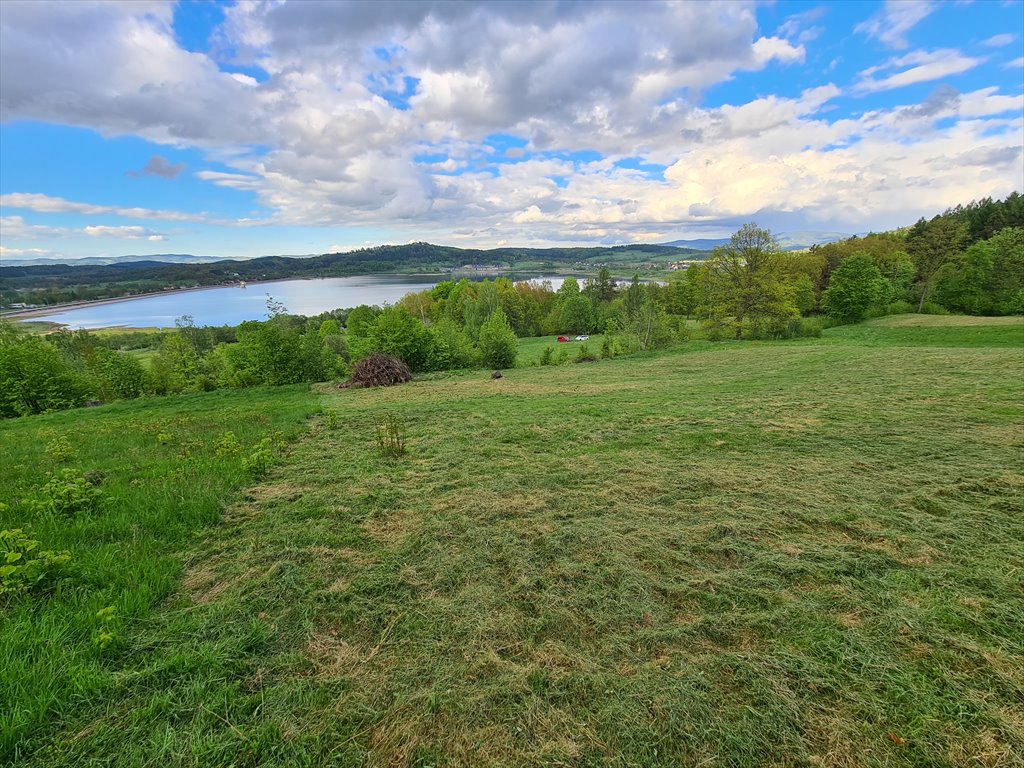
(162, 481)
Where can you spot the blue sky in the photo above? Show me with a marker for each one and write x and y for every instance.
(210, 128)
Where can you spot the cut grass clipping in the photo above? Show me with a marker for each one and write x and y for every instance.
(793, 554)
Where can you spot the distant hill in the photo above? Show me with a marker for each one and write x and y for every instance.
(162, 258)
(790, 241)
(52, 282)
(156, 258)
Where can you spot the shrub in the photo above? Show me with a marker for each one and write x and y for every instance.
(714, 330)
(606, 349)
(899, 308)
(119, 375)
(801, 328)
(67, 494)
(498, 345)
(258, 462)
(332, 419)
(397, 333)
(105, 634)
(24, 567)
(35, 377)
(583, 355)
(545, 356)
(227, 445)
(58, 450)
(390, 435)
(931, 308)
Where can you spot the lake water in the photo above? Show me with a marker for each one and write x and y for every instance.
(231, 305)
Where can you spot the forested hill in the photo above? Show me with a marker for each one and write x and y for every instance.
(51, 284)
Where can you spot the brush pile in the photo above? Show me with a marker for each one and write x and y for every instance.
(379, 370)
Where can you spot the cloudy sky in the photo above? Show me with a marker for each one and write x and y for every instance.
(263, 127)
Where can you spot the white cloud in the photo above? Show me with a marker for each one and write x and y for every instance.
(47, 204)
(891, 24)
(319, 145)
(123, 232)
(767, 49)
(922, 67)
(801, 26)
(14, 228)
(998, 41)
(1015, 64)
(13, 252)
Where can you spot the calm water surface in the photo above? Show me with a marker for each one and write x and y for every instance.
(231, 305)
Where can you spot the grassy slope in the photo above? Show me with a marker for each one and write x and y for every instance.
(792, 554)
(163, 482)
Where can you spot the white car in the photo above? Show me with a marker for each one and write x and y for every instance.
(582, 338)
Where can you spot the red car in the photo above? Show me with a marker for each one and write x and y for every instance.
(563, 338)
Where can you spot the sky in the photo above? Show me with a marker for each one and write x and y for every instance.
(295, 127)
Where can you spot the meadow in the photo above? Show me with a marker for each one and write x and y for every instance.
(802, 553)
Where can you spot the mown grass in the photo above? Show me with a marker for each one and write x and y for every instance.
(934, 331)
(163, 481)
(798, 553)
(531, 348)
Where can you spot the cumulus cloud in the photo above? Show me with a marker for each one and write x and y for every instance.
(891, 24)
(158, 166)
(383, 114)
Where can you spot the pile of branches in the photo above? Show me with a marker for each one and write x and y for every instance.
(379, 370)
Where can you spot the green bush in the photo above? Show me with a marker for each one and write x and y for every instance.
(67, 494)
(583, 355)
(227, 445)
(24, 567)
(498, 345)
(714, 330)
(899, 308)
(931, 308)
(35, 376)
(258, 462)
(105, 634)
(120, 376)
(58, 450)
(545, 356)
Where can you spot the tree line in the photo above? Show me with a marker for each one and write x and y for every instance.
(968, 259)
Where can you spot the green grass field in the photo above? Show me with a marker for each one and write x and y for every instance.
(740, 554)
(530, 349)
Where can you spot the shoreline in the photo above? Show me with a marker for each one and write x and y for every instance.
(54, 309)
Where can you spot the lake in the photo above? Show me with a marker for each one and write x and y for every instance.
(231, 305)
